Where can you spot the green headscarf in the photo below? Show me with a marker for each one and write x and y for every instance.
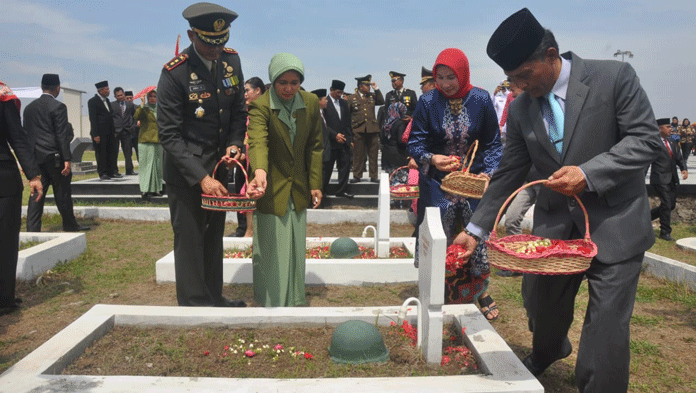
(281, 63)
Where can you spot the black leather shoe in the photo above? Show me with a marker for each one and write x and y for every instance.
(374, 180)
(667, 237)
(538, 369)
(355, 180)
(230, 303)
(116, 175)
(507, 273)
(131, 173)
(79, 228)
(145, 196)
(345, 195)
(104, 177)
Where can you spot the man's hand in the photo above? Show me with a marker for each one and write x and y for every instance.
(316, 198)
(97, 139)
(569, 180)
(340, 138)
(685, 175)
(257, 187)
(36, 187)
(468, 242)
(444, 163)
(374, 86)
(213, 187)
(232, 152)
(66, 169)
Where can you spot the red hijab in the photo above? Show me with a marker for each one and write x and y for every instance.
(457, 61)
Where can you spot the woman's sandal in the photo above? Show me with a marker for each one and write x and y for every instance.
(486, 302)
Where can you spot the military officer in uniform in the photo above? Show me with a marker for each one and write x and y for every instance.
(365, 127)
(201, 115)
(400, 93)
(427, 82)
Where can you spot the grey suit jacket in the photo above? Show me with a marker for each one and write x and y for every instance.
(123, 121)
(46, 121)
(611, 134)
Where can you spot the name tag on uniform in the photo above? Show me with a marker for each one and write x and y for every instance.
(196, 88)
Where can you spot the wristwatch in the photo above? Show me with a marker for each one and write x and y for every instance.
(468, 232)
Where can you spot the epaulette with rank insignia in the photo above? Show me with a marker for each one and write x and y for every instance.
(175, 62)
(230, 50)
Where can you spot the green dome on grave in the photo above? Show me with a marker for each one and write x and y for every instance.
(344, 247)
(357, 342)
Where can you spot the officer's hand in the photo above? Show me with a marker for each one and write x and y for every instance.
(468, 242)
(97, 139)
(316, 198)
(374, 86)
(36, 187)
(213, 187)
(569, 180)
(66, 169)
(257, 187)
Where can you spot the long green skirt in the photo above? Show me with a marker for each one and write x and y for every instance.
(278, 258)
(150, 167)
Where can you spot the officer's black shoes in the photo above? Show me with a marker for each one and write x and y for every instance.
(538, 369)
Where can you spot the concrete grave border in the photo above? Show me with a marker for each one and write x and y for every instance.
(39, 371)
(318, 271)
(55, 247)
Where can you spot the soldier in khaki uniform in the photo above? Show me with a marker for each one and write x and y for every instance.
(365, 127)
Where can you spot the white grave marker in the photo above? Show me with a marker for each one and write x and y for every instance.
(383, 199)
(432, 250)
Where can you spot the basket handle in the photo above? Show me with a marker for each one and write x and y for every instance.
(391, 175)
(471, 152)
(246, 177)
(494, 232)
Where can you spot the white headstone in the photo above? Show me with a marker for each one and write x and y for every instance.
(383, 199)
(432, 250)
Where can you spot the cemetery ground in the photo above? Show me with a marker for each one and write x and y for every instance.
(118, 267)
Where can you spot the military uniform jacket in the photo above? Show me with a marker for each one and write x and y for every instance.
(199, 115)
(46, 121)
(408, 97)
(362, 111)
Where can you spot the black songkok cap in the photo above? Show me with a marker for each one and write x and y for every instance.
(394, 74)
(367, 79)
(664, 121)
(320, 92)
(50, 80)
(426, 75)
(128, 93)
(515, 40)
(101, 84)
(210, 22)
(338, 85)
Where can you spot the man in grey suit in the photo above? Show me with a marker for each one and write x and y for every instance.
(605, 139)
(665, 179)
(46, 121)
(124, 125)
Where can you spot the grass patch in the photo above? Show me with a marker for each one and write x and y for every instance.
(670, 250)
(28, 244)
(641, 347)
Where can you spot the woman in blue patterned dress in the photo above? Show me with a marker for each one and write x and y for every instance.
(446, 122)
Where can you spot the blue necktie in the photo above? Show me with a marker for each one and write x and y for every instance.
(553, 113)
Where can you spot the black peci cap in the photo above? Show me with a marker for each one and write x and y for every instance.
(338, 85)
(50, 80)
(101, 84)
(128, 93)
(664, 121)
(515, 40)
(320, 92)
(210, 22)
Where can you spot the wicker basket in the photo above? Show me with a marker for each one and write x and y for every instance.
(564, 257)
(230, 203)
(463, 183)
(402, 192)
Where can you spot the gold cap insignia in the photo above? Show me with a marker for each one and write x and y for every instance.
(219, 24)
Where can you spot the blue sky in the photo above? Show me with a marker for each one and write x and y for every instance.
(127, 42)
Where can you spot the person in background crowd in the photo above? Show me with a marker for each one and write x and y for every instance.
(337, 116)
(674, 133)
(46, 122)
(665, 179)
(124, 125)
(136, 127)
(427, 82)
(253, 89)
(150, 176)
(400, 94)
(285, 151)
(686, 141)
(500, 97)
(201, 117)
(587, 127)
(365, 127)
(394, 154)
(102, 131)
(12, 135)
(446, 123)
